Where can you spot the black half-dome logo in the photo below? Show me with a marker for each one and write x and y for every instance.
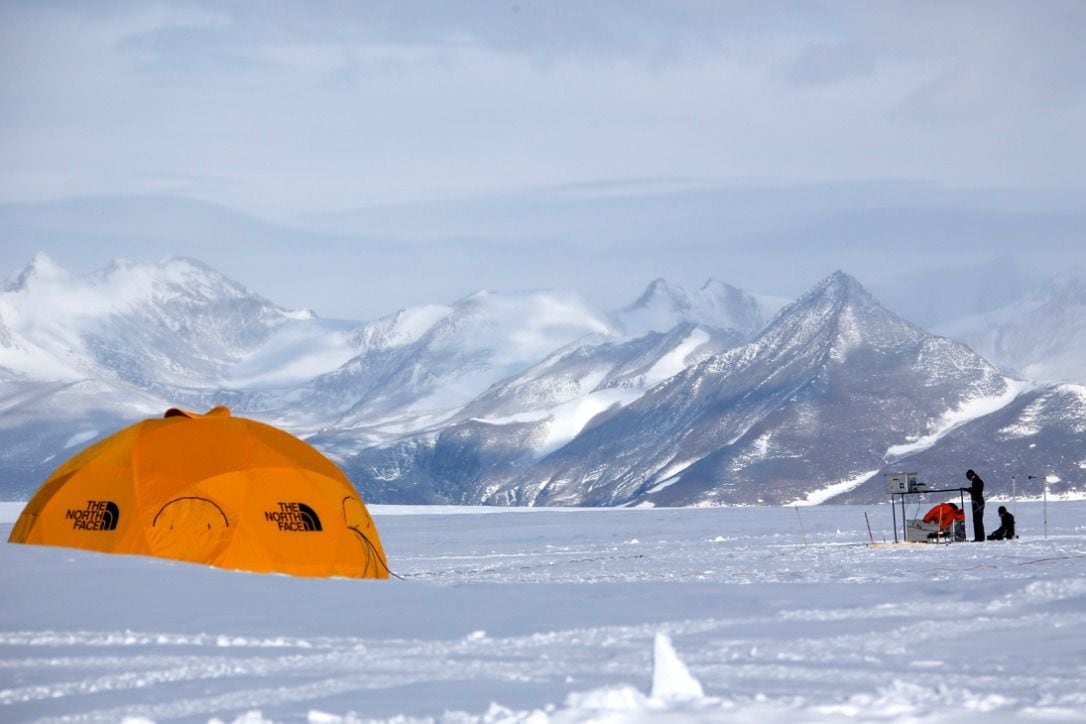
(294, 517)
(101, 515)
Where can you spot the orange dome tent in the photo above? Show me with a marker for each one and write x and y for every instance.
(213, 489)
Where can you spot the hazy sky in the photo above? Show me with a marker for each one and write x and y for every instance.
(538, 144)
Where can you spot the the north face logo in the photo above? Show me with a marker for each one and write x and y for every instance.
(297, 517)
(98, 515)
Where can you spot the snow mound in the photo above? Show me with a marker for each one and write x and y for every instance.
(671, 680)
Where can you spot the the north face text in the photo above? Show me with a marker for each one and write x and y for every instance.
(98, 515)
(297, 517)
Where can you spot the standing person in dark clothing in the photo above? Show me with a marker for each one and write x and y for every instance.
(976, 497)
(1006, 526)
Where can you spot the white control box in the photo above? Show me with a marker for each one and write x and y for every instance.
(903, 483)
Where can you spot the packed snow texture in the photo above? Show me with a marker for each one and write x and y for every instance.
(569, 616)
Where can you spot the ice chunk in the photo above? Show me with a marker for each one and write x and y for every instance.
(671, 680)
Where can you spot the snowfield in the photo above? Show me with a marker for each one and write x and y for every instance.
(674, 615)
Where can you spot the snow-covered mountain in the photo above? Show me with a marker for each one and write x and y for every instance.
(529, 398)
(1036, 441)
(663, 306)
(821, 399)
(81, 356)
(623, 367)
(175, 324)
(42, 423)
(1042, 335)
(519, 420)
(937, 297)
(418, 368)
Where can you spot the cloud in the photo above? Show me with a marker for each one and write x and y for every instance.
(826, 64)
(287, 107)
(985, 57)
(603, 240)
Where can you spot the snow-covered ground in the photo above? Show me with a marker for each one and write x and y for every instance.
(568, 616)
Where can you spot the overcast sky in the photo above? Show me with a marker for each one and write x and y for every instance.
(592, 145)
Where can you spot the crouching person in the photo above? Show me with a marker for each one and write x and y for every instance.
(1006, 526)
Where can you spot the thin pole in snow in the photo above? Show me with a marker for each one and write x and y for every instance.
(802, 532)
(869, 533)
(1044, 496)
(904, 524)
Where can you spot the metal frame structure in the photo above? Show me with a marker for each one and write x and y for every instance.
(903, 493)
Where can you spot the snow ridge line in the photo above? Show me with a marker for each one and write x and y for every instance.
(551, 564)
(133, 638)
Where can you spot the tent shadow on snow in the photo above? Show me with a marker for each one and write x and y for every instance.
(214, 489)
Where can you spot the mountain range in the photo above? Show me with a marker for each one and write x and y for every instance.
(714, 396)
(1041, 334)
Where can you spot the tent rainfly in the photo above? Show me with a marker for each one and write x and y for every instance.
(214, 489)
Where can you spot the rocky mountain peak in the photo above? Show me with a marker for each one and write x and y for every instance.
(175, 278)
(841, 312)
(733, 307)
(664, 305)
(844, 288)
(713, 285)
(41, 268)
(660, 292)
